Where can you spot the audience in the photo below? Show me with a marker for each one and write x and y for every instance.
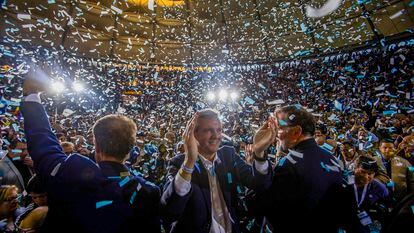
(362, 108)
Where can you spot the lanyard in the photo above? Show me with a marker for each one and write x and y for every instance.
(364, 193)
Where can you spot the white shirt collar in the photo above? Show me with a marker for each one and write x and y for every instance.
(207, 163)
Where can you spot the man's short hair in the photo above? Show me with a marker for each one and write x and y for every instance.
(67, 144)
(322, 128)
(35, 185)
(115, 135)
(296, 115)
(387, 140)
(367, 163)
(209, 113)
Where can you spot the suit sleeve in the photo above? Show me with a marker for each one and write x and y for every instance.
(249, 176)
(152, 215)
(172, 204)
(43, 146)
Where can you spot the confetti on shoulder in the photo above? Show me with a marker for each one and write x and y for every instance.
(101, 204)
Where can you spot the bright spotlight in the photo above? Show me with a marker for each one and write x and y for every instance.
(222, 95)
(78, 87)
(234, 95)
(58, 87)
(211, 96)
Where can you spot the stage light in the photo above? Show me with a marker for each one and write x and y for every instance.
(211, 96)
(234, 95)
(223, 95)
(58, 87)
(78, 87)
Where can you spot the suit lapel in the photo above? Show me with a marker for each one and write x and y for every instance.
(201, 177)
(224, 178)
(15, 171)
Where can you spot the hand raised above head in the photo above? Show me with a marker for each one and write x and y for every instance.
(190, 142)
(35, 82)
(264, 137)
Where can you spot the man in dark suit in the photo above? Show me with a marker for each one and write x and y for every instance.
(84, 196)
(200, 193)
(307, 187)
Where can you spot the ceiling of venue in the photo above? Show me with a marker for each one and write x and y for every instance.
(199, 31)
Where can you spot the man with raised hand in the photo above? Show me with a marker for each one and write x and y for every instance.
(306, 192)
(85, 196)
(201, 190)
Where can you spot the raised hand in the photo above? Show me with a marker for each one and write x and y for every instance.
(35, 82)
(264, 137)
(190, 142)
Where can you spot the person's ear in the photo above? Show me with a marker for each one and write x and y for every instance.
(297, 131)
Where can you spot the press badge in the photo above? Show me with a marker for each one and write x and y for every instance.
(364, 218)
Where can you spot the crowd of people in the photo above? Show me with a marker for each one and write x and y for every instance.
(339, 155)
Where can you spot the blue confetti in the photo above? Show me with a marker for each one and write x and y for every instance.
(135, 172)
(124, 181)
(338, 105)
(114, 177)
(133, 197)
(8, 54)
(101, 204)
(281, 162)
(412, 208)
(249, 100)
(15, 127)
(51, 1)
(229, 178)
(6, 141)
(390, 184)
(411, 169)
(282, 122)
(16, 151)
(383, 42)
(388, 112)
(197, 168)
(239, 189)
(327, 146)
(303, 27)
(325, 167)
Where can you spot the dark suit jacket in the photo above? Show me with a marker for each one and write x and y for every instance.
(9, 174)
(306, 194)
(192, 212)
(84, 196)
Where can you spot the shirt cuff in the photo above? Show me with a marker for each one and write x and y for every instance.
(262, 167)
(35, 97)
(181, 186)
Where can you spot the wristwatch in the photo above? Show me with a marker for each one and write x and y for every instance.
(260, 159)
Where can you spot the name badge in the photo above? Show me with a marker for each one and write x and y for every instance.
(364, 218)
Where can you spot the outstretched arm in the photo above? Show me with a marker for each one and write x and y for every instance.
(43, 145)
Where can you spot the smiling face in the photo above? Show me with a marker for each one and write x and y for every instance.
(208, 134)
(10, 202)
(387, 149)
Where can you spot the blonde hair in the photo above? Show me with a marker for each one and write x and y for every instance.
(5, 191)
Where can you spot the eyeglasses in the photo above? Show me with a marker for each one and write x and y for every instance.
(10, 199)
(13, 198)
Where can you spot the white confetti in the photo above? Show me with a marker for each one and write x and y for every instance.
(24, 16)
(398, 14)
(326, 9)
